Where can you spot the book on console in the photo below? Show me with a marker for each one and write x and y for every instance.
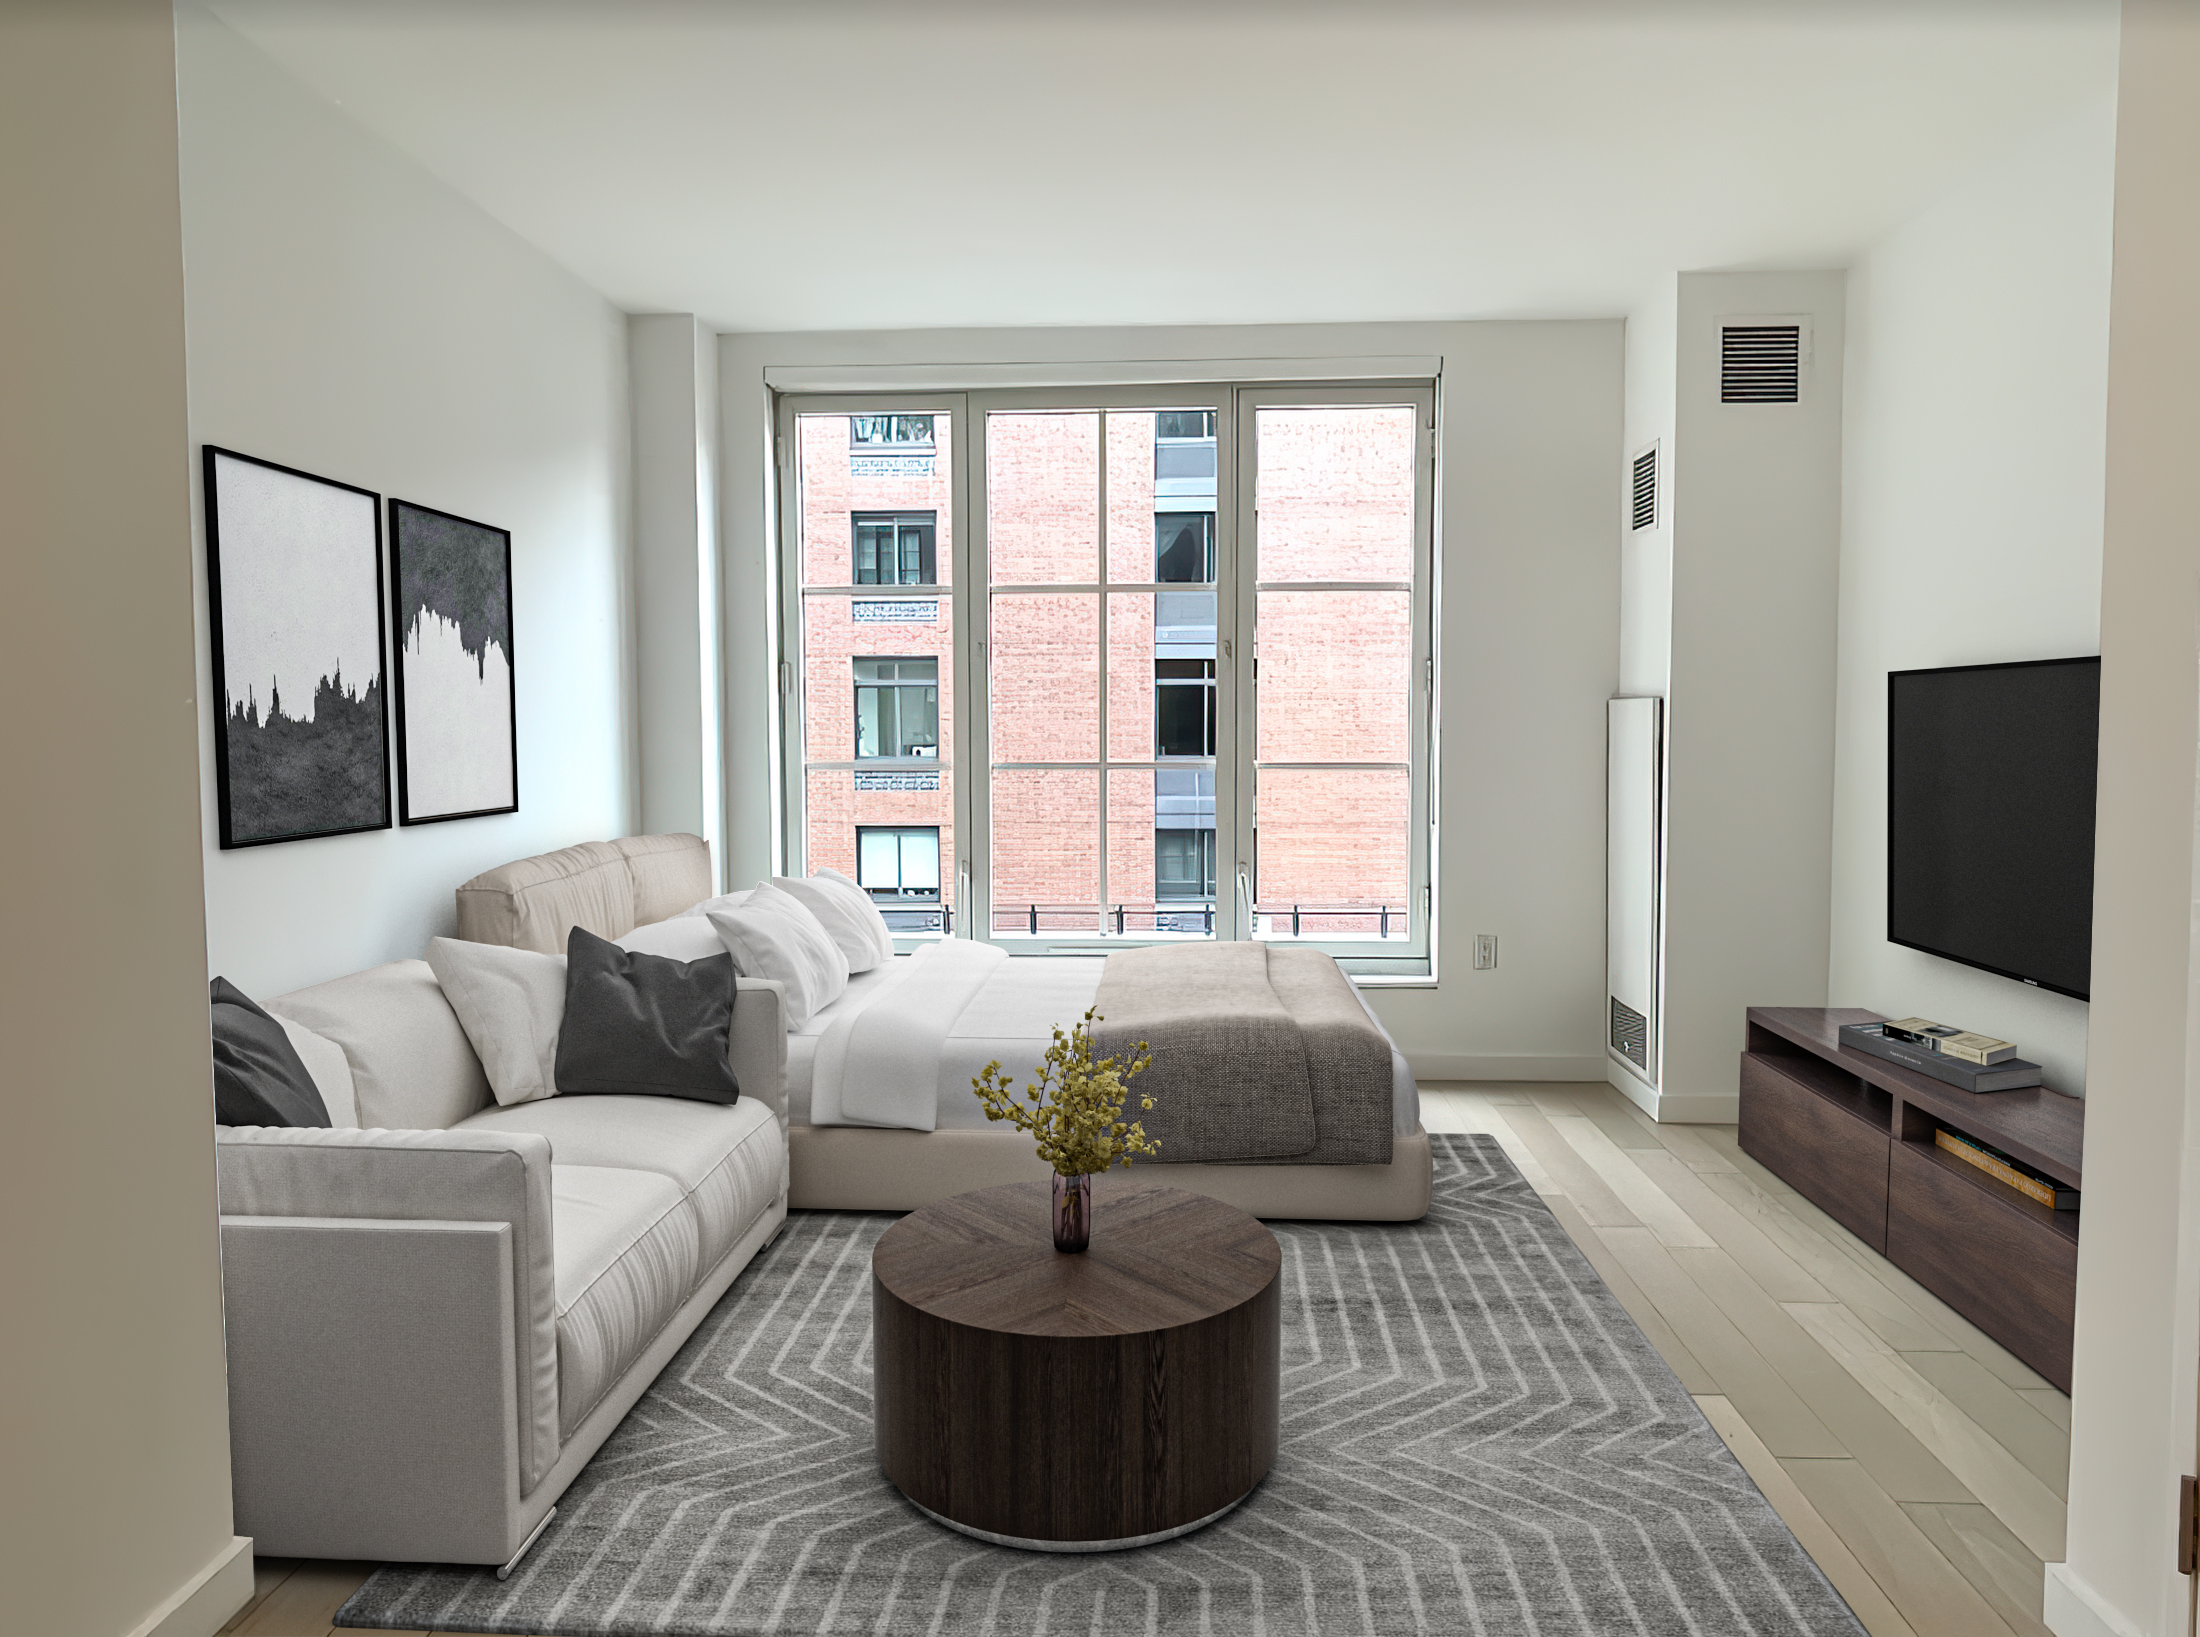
(2012, 1075)
(1982, 1049)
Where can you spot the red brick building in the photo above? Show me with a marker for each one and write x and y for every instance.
(1101, 705)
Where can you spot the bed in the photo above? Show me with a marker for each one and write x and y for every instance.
(882, 1115)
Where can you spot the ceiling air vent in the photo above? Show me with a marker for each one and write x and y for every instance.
(1646, 489)
(1630, 1034)
(1760, 363)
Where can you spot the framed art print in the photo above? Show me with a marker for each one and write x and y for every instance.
(457, 741)
(294, 578)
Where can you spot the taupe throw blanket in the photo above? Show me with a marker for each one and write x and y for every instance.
(1259, 1055)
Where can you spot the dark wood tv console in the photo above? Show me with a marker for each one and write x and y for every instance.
(1853, 1134)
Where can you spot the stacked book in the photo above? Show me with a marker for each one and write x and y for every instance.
(1975, 1062)
(2000, 1166)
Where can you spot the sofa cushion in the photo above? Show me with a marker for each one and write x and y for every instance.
(683, 938)
(645, 1025)
(627, 1253)
(412, 1068)
(609, 887)
(331, 1071)
(511, 1003)
(259, 1078)
(730, 1163)
(670, 873)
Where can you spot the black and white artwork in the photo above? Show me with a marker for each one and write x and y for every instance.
(294, 567)
(457, 754)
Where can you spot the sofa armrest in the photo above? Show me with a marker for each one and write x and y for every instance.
(461, 1175)
(371, 1382)
(756, 1048)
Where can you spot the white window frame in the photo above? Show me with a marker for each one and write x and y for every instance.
(1236, 592)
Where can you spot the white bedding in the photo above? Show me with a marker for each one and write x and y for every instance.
(1013, 1005)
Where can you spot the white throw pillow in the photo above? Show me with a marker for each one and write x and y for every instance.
(331, 1071)
(511, 1003)
(774, 935)
(882, 935)
(844, 921)
(683, 938)
(729, 900)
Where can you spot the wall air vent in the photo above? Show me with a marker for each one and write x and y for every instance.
(1760, 363)
(1646, 489)
(1630, 1034)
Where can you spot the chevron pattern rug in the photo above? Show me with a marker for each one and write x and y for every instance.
(1476, 1438)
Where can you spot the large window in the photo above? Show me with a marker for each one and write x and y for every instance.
(1188, 642)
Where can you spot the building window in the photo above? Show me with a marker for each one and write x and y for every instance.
(1184, 548)
(1184, 423)
(897, 708)
(899, 865)
(896, 548)
(1183, 864)
(1184, 707)
(1184, 454)
(896, 434)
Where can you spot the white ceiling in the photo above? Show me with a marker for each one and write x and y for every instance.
(842, 164)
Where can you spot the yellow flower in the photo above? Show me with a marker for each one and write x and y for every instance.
(1075, 1103)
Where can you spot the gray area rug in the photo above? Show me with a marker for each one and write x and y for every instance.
(1476, 1438)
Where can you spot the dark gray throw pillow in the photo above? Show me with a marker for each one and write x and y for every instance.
(645, 1025)
(258, 1077)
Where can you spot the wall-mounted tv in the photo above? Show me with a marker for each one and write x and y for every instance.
(1990, 783)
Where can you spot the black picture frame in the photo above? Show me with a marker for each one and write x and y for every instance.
(459, 572)
(303, 580)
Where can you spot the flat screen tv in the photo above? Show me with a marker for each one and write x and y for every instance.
(1990, 783)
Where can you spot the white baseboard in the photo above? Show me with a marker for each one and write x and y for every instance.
(2071, 1608)
(1667, 1108)
(205, 1602)
(1503, 1066)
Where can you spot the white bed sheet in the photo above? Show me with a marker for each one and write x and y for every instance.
(1011, 1019)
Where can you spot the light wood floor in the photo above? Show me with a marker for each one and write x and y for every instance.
(1917, 1461)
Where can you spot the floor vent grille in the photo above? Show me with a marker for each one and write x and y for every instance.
(1630, 1034)
(1646, 489)
(1761, 364)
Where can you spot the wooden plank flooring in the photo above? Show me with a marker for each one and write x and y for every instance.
(1920, 1463)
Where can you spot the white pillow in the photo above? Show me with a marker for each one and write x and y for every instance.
(331, 1071)
(774, 936)
(844, 921)
(511, 1003)
(882, 935)
(730, 900)
(683, 938)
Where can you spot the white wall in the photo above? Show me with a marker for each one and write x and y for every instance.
(2137, 1359)
(1646, 555)
(114, 1443)
(1978, 379)
(673, 373)
(1755, 531)
(351, 316)
(1528, 628)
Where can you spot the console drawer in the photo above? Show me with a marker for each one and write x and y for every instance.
(1834, 1155)
(2003, 1261)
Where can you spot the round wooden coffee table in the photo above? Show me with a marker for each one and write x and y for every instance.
(1076, 1403)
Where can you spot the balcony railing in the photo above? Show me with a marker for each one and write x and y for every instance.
(1197, 917)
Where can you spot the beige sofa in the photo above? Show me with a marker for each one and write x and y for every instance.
(612, 887)
(438, 1309)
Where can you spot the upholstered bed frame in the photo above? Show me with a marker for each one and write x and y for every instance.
(612, 887)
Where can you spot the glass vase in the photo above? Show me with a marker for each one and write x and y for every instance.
(1072, 1212)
